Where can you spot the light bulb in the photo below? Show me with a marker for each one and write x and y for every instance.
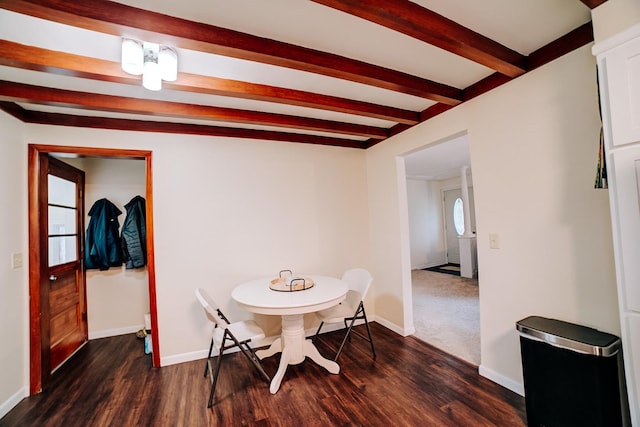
(132, 56)
(151, 78)
(168, 62)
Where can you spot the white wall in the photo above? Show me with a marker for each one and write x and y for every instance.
(425, 223)
(533, 145)
(613, 17)
(226, 211)
(229, 210)
(117, 299)
(14, 320)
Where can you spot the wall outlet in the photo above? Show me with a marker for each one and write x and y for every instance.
(494, 241)
(16, 260)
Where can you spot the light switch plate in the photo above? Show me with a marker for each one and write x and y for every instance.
(16, 260)
(494, 241)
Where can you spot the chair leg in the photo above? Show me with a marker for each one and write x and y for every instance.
(246, 350)
(360, 314)
(346, 335)
(366, 322)
(214, 380)
(251, 355)
(315, 337)
(206, 362)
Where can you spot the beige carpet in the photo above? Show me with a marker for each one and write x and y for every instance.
(446, 313)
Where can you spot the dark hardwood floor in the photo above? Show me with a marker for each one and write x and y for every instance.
(110, 382)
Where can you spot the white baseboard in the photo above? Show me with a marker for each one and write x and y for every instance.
(409, 331)
(429, 265)
(11, 402)
(183, 357)
(201, 354)
(500, 379)
(392, 326)
(113, 332)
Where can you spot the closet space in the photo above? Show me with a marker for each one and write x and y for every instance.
(117, 292)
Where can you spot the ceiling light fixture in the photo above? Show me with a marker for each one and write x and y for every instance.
(153, 61)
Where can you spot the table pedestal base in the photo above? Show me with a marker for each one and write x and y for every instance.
(294, 348)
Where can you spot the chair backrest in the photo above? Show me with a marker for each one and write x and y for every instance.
(210, 307)
(359, 281)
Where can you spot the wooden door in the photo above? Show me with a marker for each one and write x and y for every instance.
(62, 279)
(453, 245)
(451, 234)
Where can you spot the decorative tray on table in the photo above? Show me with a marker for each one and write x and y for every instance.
(288, 283)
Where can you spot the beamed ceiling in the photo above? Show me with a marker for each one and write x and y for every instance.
(331, 72)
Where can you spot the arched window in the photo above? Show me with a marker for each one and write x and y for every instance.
(458, 216)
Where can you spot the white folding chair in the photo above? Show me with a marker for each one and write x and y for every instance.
(227, 335)
(351, 309)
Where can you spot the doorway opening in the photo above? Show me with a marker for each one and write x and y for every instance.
(444, 307)
(40, 361)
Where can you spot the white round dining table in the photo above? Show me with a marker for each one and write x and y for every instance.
(256, 296)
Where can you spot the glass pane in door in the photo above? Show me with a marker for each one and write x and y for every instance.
(62, 249)
(61, 191)
(62, 219)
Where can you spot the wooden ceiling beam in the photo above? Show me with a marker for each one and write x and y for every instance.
(423, 24)
(15, 110)
(18, 92)
(57, 119)
(27, 57)
(122, 20)
(571, 41)
(35, 58)
(485, 85)
(575, 39)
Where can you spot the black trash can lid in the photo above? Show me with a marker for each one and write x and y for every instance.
(570, 336)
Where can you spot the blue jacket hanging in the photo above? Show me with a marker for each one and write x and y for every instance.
(103, 248)
(134, 234)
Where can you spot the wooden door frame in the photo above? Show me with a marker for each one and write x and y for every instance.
(39, 374)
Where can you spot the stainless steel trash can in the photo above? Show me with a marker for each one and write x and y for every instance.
(573, 375)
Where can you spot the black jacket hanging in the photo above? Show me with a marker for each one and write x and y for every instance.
(103, 248)
(134, 234)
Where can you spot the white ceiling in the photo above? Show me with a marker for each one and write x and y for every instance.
(439, 161)
(522, 25)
